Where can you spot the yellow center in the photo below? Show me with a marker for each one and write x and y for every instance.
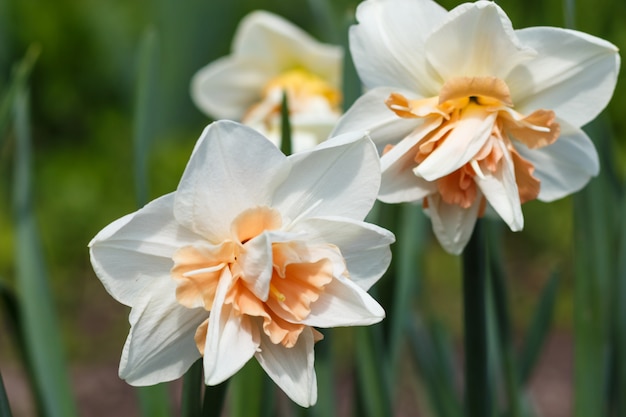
(297, 278)
(305, 92)
(478, 98)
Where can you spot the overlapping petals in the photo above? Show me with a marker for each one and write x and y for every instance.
(270, 58)
(468, 112)
(250, 254)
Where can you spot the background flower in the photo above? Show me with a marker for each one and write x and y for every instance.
(467, 111)
(269, 245)
(271, 56)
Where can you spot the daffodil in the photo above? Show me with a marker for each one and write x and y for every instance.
(250, 254)
(272, 57)
(469, 113)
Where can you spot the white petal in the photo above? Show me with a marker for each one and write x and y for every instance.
(344, 303)
(388, 43)
(452, 224)
(256, 261)
(564, 167)
(477, 39)
(339, 177)
(268, 38)
(370, 114)
(364, 246)
(231, 338)
(461, 144)
(401, 185)
(137, 249)
(160, 346)
(228, 87)
(574, 74)
(232, 168)
(291, 368)
(399, 182)
(500, 190)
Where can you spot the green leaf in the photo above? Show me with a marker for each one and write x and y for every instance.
(144, 112)
(595, 216)
(41, 328)
(351, 83)
(154, 400)
(411, 242)
(432, 353)
(372, 376)
(619, 349)
(247, 392)
(20, 75)
(539, 328)
(5, 407)
(326, 387)
(502, 319)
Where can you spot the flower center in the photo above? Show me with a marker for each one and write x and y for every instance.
(477, 114)
(306, 92)
(273, 284)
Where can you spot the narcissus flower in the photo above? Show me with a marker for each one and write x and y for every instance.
(468, 112)
(250, 254)
(271, 57)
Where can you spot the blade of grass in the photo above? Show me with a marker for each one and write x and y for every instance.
(246, 391)
(620, 322)
(430, 350)
(326, 389)
(372, 374)
(144, 112)
(538, 330)
(19, 77)
(324, 17)
(5, 407)
(408, 249)
(477, 387)
(351, 84)
(9, 305)
(594, 246)
(153, 400)
(41, 328)
(503, 320)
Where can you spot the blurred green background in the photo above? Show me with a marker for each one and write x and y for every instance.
(83, 91)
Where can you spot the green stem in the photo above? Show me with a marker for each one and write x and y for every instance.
(214, 400)
(192, 391)
(477, 393)
(285, 126)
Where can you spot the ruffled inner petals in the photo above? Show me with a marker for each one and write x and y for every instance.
(197, 270)
(299, 274)
(476, 126)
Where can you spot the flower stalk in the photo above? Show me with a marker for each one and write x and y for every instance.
(477, 386)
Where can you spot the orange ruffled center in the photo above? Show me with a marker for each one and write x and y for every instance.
(486, 98)
(306, 93)
(298, 277)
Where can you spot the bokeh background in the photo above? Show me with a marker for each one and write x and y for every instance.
(83, 92)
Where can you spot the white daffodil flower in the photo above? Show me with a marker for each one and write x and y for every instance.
(271, 57)
(250, 253)
(467, 111)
